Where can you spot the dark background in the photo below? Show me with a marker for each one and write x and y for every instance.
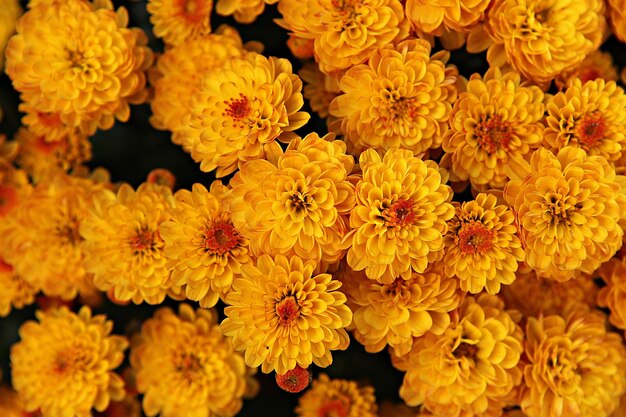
(131, 150)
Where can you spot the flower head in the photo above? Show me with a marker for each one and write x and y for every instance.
(203, 247)
(10, 11)
(88, 71)
(178, 20)
(123, 246)
(186, 367)
(496, 119)
(567, 208)
(401, 98)
(337, 397)
(283, 316)
(597, 64)
(295, 380)
(345, 32)
(244, 11)
(63, 364)
(400, 216)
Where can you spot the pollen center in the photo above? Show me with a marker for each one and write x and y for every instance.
(193, 11)
(333, 408)
(475, 238)
(238, 108)
(71, 360)
(287, 310)
(399, 214)
(590, 129)
(220, 238)
(69, 232)
(493, 134)
(142, 241)
(465, 350)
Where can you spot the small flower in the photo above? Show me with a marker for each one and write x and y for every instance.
(337, 397)
(296, 380)
(401, 98)
(63, 364)
(613, 295)
(244, 11)
(283, 316)
(14, 291)
(178, 20)
(10, 11)
(186, 367)
(597, 64)
(300, 48)
(482, 247)
(567, 207)
(400, 216)
(204, 249)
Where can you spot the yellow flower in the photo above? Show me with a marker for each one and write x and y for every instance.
(300, 48)
(14, 291)
(575, 366)
(40, 238)
(178, 75)
(474, 362)
(393, 314)
(482, 247)
(337, 397)
(45, 124)
(88, 71)
(540, 39)
(401, 98)
(204, 249)
(283, 316)
(345, 32)
(123, 246)
(597, 64)
(567, 207)
(617, 17)
(241, 109)
(64, 364)
(613, 295)
(186, 367)
(244, 11)
(496, 119)
(437, 17)
(300, 204)
(400, 216)
(591, 116)
(10, 11)
(178, 20)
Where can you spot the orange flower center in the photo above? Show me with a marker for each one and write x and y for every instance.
(194, 11)
(299, 201)
(590, 129)
(46, 147)
(475, 238)
(220, 238)
(162, 176)
(143, 241)
(49, 119)
(493, 134)
(346, 12)
(287, 310)
(333, 408)
(395, 288)
(399, 214)
(238, 109)
(188, 364)
(72, 360)
(465, 350)
(69, 232)
(8, 199)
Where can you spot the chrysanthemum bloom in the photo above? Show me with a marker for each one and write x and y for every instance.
(123, 246)
(617, 17)
(298, 205)
(10, 11)
(175, 21)
(14, 291)
(186, 367)
(393, 314)
(482, 247)
(400, 217)
(591, 116)
(402, 97)
(241, 110)
(244, 11)
(300, 48)
(42, 159)
(532, 295)
(567, 207)
(613, 295)
(496, 119)
(473, 363)
(295, 380)
(64, 364)
(177, 77)
(161, 176)
(597, 64)
(337, 397)
(40, 238)
(283, 316)
(345, 32)
(575, 367)
(88, 71)
(204, 249)
(437, 17)
(540, 39)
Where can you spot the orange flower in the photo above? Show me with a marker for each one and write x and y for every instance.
(178, 20)
(244, 11)
(597, 64)
(337, 397)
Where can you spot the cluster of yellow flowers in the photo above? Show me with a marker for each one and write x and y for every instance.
(469, 224)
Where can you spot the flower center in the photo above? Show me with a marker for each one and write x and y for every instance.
(287, 310)
(69, 232)
(475, 238)
(143, 241)
(395, 288)
(400, 214)
(188, 363)
(72, 360)
(590, 129)
(559, 209)
(220, 238)
(493, 134)
(465, 350)
(333, 408)
(193, 11)
(238, 109)
(299, 201)
(347, 12)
